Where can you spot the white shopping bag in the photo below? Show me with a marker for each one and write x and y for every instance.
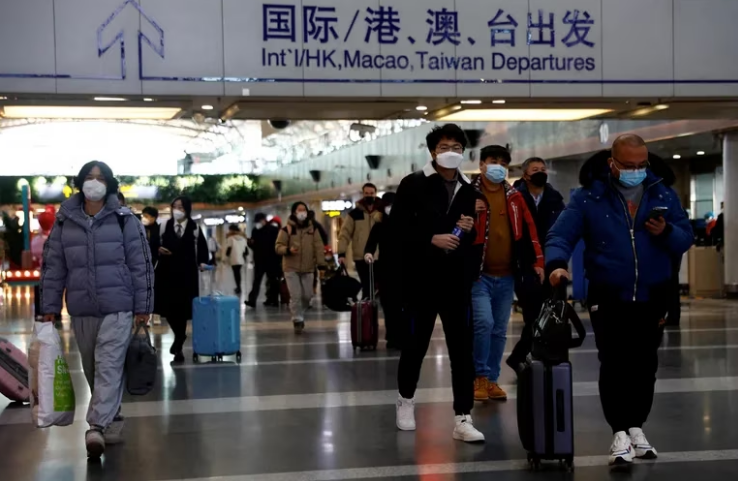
(52, 393)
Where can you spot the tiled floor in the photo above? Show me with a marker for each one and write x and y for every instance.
(309, 408)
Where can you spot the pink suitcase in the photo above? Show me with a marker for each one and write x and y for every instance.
(13, 372)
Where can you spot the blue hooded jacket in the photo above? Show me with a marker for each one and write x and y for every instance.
(629, 262)
(104, 266)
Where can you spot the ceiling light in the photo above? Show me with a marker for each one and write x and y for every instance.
(148, 99)
(421, 108)
(700, 152)
(102, 113)
(471, 102)
(660, 107)
(522, 115)
(3, 98)
(649, 110)
(110, 99)
(498, 101)
(457, 107)
(207, 107)
(676, 157)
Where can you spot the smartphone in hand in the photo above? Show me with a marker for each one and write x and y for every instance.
(657, 212)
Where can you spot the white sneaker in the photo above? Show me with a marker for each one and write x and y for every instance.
(114, 432)
(643, 450)
(621, 452)
(465, 430)
(405, 414)
(95, 442)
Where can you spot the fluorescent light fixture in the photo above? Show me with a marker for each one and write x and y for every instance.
(421, 108)
(676, 157)
(660, 107)
(457, 107)
(522, 115)
(499, 102)
(147, 99)
(3, 98)
(207, 107)
(103, 113)
(700, 152)
(110, 99)
(649, 110)
(471, 102)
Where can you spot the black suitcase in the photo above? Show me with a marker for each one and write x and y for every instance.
(545, 420)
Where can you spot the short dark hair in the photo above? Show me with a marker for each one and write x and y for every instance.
(449, 131)
(234, 228)
(121, 198)
(105, 170)
(532, 160)
(388, 198)
(370, 185)
(186, 204)
(495, 152)
(260, 216)
(152, 211)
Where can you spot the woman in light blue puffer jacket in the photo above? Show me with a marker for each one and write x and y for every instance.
(99, 254)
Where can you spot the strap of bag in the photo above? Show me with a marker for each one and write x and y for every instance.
(146, 333)
(570, 314)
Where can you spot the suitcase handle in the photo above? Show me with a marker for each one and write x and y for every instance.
(371, 283)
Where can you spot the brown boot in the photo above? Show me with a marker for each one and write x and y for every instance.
(494, 391)
(481, 389)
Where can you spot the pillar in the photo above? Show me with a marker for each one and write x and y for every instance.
(730, 216)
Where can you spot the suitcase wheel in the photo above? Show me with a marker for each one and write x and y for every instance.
(534, 462)
(214, 359)
(195, 357)
(238, 356)
(220, 357)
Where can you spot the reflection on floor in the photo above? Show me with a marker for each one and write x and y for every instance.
(308, 407)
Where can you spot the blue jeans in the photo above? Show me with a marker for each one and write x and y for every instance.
(492, 299)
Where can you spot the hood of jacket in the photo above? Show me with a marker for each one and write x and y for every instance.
(548, 191)
(596, 168)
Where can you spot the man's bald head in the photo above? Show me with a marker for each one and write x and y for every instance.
(632, 141)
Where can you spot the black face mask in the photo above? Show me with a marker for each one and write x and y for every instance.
(539, 179)
(369, 200)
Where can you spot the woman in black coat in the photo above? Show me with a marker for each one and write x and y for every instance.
(183, 252)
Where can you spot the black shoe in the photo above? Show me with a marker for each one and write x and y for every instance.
(238, 292)
(271, 304)
(179, 357)
(299, 327)
(251, 304)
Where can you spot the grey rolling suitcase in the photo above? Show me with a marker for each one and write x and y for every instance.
(545, 420)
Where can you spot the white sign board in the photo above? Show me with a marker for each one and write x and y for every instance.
(371, 48)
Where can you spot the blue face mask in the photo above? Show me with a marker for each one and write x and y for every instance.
(632, 178)
(495, 173)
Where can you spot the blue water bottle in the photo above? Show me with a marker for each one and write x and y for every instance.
(458, 232)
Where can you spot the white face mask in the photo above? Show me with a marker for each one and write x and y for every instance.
(94, 190)
(178, 214)
(449, 160)
(145, 221)
(301, 216)
(388, 209)
(259, 226)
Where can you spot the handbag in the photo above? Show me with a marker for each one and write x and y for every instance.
(552, 337)
(141, 363)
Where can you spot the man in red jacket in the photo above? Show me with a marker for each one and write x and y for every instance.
(511, 259)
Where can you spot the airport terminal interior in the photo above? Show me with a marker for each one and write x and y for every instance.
(253, 110)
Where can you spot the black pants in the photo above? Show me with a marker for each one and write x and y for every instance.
(272, 285)
(362, 268)
(530, 302)
(628, 335)
(674, 315)
(391, 299)
(179, 328)
(457, 326)
(237, 277)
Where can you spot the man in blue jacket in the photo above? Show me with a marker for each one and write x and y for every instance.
(632, 226)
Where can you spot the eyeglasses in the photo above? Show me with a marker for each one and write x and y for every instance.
(450, 148)
(643, 165)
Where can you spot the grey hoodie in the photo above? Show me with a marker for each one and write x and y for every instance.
(104, 263)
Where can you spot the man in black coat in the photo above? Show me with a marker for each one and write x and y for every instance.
(434, 218)
(266, 261)
(545, 204)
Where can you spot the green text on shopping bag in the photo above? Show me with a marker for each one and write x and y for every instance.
(63, 390)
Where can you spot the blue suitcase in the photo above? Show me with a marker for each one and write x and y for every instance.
(216, 323)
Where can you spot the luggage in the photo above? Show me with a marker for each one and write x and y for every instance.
(340, 291)
(545, 398)
(545, 421)
(13, 372)
(216, 323)
(364, 320)
(141, 363)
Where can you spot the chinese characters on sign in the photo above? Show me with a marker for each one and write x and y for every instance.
(324, 29)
